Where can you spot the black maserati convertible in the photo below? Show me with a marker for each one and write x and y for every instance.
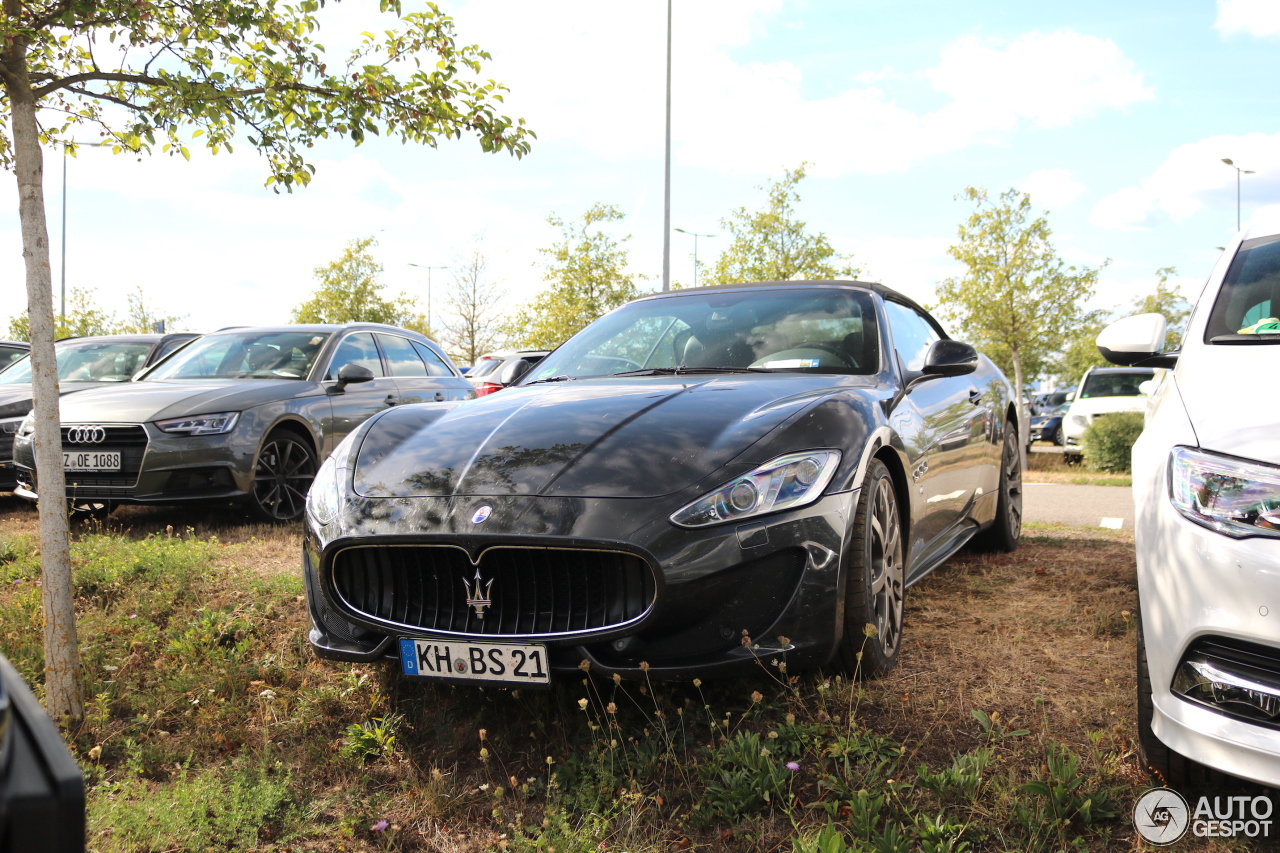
(700, 483)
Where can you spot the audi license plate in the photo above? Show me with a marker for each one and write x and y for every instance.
(515, 665)
(91, 460)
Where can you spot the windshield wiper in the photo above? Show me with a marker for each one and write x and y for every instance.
(560, 378)
(1263, 338)
(683, 370)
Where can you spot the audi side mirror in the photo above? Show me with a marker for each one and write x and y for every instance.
(351, 373)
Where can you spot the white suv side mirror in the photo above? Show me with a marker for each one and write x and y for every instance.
(1136, 341)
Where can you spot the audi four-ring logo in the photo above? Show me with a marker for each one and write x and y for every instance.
(86, 435)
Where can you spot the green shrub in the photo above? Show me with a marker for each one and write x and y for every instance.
(1108, 442)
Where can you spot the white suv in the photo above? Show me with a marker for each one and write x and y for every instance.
(1206, 489)
(1103, 391)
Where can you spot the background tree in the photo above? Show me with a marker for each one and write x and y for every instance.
(772, 245)
(350, 292)
(1017, 300)
(1081, 351)
(473, 317)
(143, 75)
(84, 317)
(139, 318)
(587, 271)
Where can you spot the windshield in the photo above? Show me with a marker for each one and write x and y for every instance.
(814, 330)
(88, 361)
(244, 355)
(1115, 384)
(1249, 301)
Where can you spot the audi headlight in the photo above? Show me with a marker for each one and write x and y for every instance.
(9, 426)
(201, 424)
(1233, 497)
(784, 483)
(28, 425)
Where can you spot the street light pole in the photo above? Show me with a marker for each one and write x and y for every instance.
(1239, 171)
(666, 180)
(695, 251)
(428, 269)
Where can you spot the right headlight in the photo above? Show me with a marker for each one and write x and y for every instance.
(1233, 497)
(785, 483)
(28, 425)
(9, 426)
(324, 498)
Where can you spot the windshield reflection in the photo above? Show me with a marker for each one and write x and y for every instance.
(246, 355)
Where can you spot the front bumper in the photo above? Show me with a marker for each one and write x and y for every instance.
(775, 580)
(1201, 589)
(163, 468)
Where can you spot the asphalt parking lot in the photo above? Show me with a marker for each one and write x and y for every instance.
(1079, 506)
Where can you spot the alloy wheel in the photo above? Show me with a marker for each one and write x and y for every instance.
(886, 566)
(282, 476)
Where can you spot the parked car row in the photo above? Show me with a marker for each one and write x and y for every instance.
(241, 414)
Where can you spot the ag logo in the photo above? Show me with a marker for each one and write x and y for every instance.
(481, 514)
(1161, 816)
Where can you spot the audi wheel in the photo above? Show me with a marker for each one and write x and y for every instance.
(286, 466)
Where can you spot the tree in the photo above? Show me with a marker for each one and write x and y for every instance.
(772, 245)
(588, 275)
(144, 74)
(473, 311)
(351, 293)
(140, 319)
(1017, 300)
(1168, 302)
(85, 319)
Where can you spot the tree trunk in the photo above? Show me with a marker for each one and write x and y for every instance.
(1024, 416)
(63, 692)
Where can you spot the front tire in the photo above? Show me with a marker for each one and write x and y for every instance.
(284, 471)
(874, 569)
(1058, 438)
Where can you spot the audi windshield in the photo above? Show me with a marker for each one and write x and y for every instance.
(246, 355)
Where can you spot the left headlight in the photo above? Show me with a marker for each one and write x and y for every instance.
(324, 499)
(1233, 497)
(201, 424)
(27, 425)
(784, 483)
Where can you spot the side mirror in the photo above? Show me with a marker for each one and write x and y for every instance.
(511, 372)
(350, 374)
(950, 358)
(1136, 341)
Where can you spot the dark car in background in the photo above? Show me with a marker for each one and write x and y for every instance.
(240, 414)
(1047, 426)
(83, 363)
(712, 481)
(484, 374)
(11, 351)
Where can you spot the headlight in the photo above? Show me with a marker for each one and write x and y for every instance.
(202, 424)
(1233, 497)
(324, 499)
(787, 482)
(28, 425)
(1080, 420)
(9, 426)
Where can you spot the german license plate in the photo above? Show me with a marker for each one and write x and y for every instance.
(522, 664)
(91, 460)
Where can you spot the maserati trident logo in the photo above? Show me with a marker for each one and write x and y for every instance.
(86, 435)
(479, 597)
(481, 514)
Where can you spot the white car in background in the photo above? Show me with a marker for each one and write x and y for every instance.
(1103, 391)
(1206, 488)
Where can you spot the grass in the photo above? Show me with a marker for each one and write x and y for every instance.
(1053, 468)
(1007, 725)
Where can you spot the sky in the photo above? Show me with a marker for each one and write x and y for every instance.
(1115, 117)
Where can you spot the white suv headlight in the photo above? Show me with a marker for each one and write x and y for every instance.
(784, 483)
(201, 424)
(1234, 497)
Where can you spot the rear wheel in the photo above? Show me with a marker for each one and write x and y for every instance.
(1006, 530)
(286, 466)
(1057, 437)
(874, 570)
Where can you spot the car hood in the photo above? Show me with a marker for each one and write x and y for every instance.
(140, 402)
(1227, 400)
(1107, 405)
(15, 400)
(590, 438)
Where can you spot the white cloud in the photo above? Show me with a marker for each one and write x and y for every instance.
(1253, 17)
(1193, 177)
(1052, 188)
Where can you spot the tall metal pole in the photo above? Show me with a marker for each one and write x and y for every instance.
(1239, 172)
(428, 269)
(695, 251)
(666, 181)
